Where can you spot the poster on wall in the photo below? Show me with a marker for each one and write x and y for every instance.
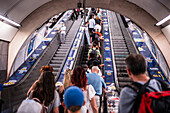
(153, 67)
(31, 45)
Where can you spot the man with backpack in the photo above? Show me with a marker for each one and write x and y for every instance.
(95, 51)
(132, 96)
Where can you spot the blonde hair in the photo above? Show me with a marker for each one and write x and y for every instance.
(67, 78)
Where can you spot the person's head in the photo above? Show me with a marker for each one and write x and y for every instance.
(54, 20)
(73, 99)
(94, 44)
(136, 64)
(92, 55)
(44, 88)
(63, 24)
(90, 17)
(97, 20)
(46, 68)
(97, 30)
(78, 78)
(67, 78)
(97, 17)
(95, 62)
(95, 69)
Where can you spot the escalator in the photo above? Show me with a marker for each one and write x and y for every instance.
(84, 59)
(61, 53)
(122, 47)
(54, 55)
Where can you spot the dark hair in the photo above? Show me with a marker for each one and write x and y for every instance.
(94, 44)
(92, 55)
(74, 108)
(90, 17)
(136, 64)
(79, 78)
(95, 62)
(44, 88)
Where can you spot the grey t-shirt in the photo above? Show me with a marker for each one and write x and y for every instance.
(128, 96)
(55, 103)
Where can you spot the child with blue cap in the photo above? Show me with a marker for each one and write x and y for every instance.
(73, 99)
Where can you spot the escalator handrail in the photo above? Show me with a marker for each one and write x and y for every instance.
(27, 73)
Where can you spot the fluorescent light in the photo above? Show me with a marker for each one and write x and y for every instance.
(10, 21)
(163, 21)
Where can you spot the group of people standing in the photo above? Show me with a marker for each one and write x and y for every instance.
(82, 89)
(44, 91)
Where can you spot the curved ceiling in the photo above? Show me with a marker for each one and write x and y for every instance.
(32, 13)
(18, 10)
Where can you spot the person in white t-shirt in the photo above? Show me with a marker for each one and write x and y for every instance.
(79, 79)
(62, 33)
(91, 23)
(97, 26)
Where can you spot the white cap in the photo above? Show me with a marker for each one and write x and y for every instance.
(29, 106)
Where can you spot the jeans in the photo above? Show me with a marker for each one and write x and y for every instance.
(62, 37)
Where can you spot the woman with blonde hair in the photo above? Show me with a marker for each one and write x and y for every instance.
(67, 78)
(66, 83)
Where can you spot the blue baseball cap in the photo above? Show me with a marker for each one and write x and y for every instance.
(73, 96)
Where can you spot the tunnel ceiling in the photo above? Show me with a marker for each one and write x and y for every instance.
(18, 10)
(32, 13)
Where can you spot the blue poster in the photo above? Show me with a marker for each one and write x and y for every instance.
(24, 68)
(154, 70)
(31, 45)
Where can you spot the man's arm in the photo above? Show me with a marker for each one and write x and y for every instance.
(103, 83)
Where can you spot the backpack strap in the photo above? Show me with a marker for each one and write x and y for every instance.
(165, 86)
(140, 89)
(135, 86)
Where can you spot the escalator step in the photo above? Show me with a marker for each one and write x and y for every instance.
(124, 79)
(119, 47)
(119, 59)
(58, 58)
(122, 70)
(120, 39)
(62, 49)
(122, 75)
(85, 58)
(120, 62)
(84, 62)
(55, 73)
(55, 65)
(121, 84)
(121, 53)
(66, 44)
(56, 69)
(120, 43)
(120, 50)
(61, 52)
(60, 55)
(56, 62)
(120, 56)
(84, 65)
